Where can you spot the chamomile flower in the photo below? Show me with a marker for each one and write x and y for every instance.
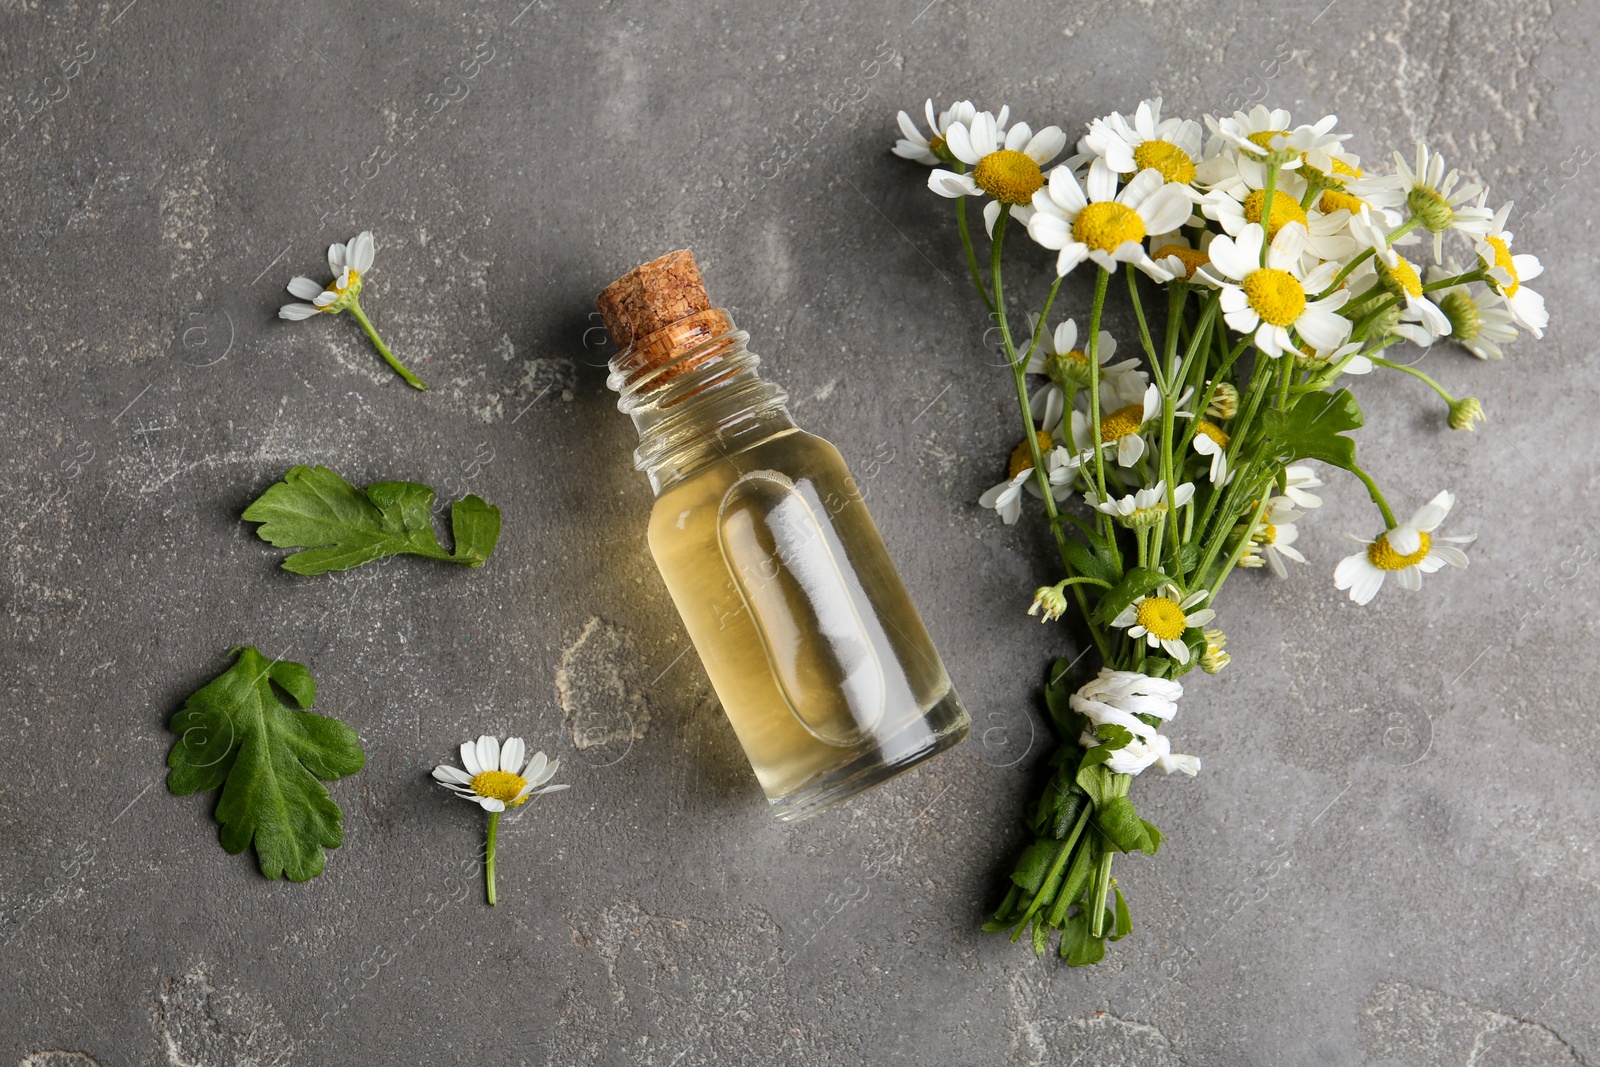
(347, 263)
(1049, 602)
(1421, 319)
(496, 778)
(1162, 616)
(1106, 226)
(1272, 540)
(1479, 321)
(1006, 498)
(930, 149)
(1067, 366)
(1263, 131)
(1119, 429)
(1146, 507)
(1180, 257)
(1327, 236)
(1437, 201)
(1270, 300)
(1122, 145)
(1508, 272)
(1297, 479)
(1005, 164)
(1211, 441)
(1408, 551)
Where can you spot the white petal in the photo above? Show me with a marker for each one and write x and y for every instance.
(304, 288)
(489, 752)
(511, 754)
(446, 772)
(295, 312)
(361, 252)
(469, 758)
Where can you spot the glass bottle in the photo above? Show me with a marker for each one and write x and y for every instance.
(802, 622)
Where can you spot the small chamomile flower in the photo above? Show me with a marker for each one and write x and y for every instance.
(930, 149)
(1182, 258)
(1327, 236)
(1272, 540)
(1263, 131)
(1270, 300)
(1213, 659)
(1408, 551)
(496, 778)
(1347, 358)
(1119, 430)
(1005, 164)
(1049, 602)
(1105, 225)
(1508, 272)
(1059, 358)
(1143, 508)
(1122, 146)
(1479, 320)
(1421, 319)
(1162, 616)
(1437, 201)
(347, 263)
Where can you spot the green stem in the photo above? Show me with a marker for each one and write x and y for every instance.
(1101, 280)
(1460, 279)
(1102, 886)
(1267, 192)
(1239, 549)
(383, 349)
(1377, 496)
(972, 255)
(1415, 373)
(1056, 867)
(488, 862)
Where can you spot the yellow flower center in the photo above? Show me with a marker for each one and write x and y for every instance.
(1431, 208)
(1337, 200)
(1107, 226)
(937, 145)
(1263, 140)
(1207, 428)
(1400, 279)
(1284, 210)
(1267, 534)
(1162, 617)
(1022, 455)
(1193, 259)
(501, 785)
(1502, 261)
(1172, 162)
(1010, 177)
(1122, 422)
(1381, 556)
(1276, 295)
(1466, 321)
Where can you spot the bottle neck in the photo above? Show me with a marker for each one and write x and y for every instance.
(694, 396)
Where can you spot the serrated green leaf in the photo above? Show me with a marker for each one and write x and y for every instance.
(1314, 428)
(1090, 564)
(340, 526)
(1134, 584)
(266, 755)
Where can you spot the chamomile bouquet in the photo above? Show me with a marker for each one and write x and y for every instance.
(1263, 264)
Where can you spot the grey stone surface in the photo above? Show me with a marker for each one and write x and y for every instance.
(1388, 859)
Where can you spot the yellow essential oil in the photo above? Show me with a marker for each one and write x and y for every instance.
(805, 629)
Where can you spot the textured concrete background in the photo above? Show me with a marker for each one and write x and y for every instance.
(1388, 859)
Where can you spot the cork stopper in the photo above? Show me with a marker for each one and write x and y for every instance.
(659, 311)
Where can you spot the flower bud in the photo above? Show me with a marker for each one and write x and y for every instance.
(1049, 602)
(1224, 402)
(1465, 412)
(1213, 659)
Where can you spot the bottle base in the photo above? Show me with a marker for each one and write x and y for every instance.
(943, 726)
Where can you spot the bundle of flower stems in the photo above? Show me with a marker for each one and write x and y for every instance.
(1262, 264)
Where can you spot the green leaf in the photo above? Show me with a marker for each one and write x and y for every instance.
(238, 734)
(1134, 584)
(1314, 429)
(341, 527)
(1121, 825)
(1095, 779)
(1092, 564)
(1123, 924)
(1080, 949)
(1077, 881)
(1155, 836)
(1033, 863)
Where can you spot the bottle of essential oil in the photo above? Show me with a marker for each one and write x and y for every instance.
(817, 655)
